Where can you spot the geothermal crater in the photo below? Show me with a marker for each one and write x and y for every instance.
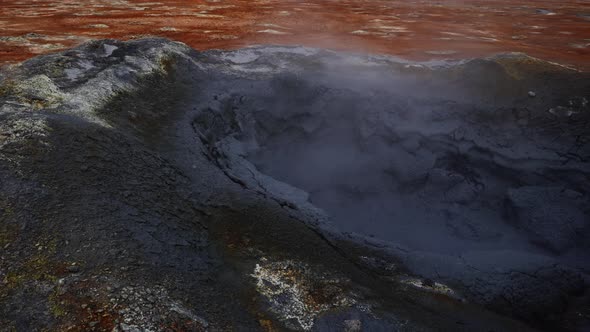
(413, 157)
(289, 188)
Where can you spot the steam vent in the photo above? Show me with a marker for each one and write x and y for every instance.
(279, 165)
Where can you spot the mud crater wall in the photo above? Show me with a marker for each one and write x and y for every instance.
(430, 163)
(221, 182)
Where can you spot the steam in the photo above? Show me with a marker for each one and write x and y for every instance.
(403, 153)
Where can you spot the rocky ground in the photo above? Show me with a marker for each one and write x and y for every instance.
(554, 30)
(146, 186)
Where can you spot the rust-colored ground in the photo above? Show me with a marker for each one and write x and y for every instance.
(419, 30)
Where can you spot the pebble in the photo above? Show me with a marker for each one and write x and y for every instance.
(532, 94)
(73, 269)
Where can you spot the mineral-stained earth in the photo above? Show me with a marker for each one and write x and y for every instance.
(554, 30)
(147, 186)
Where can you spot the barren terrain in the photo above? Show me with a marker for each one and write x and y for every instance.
(418, 30)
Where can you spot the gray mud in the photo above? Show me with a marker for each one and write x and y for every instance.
(284, 188)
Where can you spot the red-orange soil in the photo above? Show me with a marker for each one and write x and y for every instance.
(418, 30)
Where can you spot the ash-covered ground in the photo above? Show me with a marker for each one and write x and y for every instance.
(148, 186)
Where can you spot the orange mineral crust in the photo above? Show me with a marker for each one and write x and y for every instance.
(553, 30)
